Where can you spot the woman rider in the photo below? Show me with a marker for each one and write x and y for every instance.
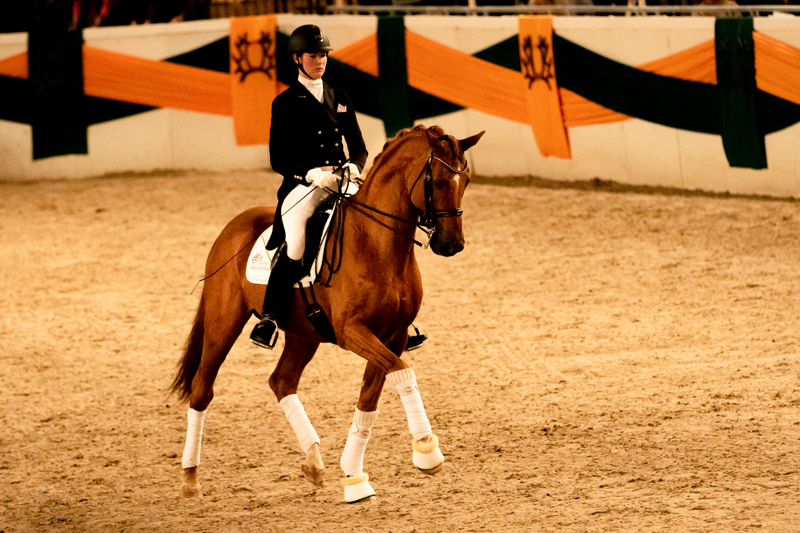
(309, 122)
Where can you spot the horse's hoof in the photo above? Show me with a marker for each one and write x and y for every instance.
(428, 463)
(314, 475)
(431, 471)
(428, 457)
(357, 488)
(191, 492)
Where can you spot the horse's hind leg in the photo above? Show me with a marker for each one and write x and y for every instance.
(223, 324)
(297, 353)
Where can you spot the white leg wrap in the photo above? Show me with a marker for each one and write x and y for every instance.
(352, 462)
(296, 415)
(405, 381)
(194, 437)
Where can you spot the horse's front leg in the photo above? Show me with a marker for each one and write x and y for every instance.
(297, 353)
(426, 453)
(356, 481)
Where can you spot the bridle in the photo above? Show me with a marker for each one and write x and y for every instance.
(428, 219)
(427, 222)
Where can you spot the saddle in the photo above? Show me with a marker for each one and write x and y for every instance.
(261, 261)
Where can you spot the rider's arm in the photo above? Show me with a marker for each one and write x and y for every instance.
(283, 142)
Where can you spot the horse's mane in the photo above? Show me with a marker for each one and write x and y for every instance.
(437, 131)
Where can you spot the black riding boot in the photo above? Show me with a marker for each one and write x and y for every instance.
(285, 274)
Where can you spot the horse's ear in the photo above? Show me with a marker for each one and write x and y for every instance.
(469, 142)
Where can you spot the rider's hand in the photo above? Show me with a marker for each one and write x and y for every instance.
(352, 173)
(313, 175)
(323, 178)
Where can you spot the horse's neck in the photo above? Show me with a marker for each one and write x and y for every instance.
(385, 190)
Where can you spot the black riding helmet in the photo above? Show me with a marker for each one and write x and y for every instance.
(308, 39)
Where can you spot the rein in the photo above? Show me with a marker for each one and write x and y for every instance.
(427, 222)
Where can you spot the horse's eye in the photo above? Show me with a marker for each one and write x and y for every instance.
(440, 184)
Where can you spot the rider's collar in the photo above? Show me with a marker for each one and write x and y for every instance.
(313, 86)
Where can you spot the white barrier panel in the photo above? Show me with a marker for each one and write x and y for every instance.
(633, 152)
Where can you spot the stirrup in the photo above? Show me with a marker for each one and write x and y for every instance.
(415, 341)
(265, 334)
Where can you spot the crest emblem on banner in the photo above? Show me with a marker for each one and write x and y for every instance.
(537, 65)
(543, 100)
(254, 56)
(253, 75)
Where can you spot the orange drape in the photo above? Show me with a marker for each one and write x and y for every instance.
(253, 78)
(698, 63)
(464, 80)
(15, 66)
(578, 111)
(540, 86)
(361, 54)
(155, 83)
(777, 67)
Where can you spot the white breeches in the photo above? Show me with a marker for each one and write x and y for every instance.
(352, 462)
(297, 208)
(296, 415)
(194, 438)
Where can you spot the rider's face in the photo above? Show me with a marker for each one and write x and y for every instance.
(314, 64)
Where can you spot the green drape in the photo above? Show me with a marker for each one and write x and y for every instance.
(55, 64)
(687, 105)
(742, 137)
(393, 76)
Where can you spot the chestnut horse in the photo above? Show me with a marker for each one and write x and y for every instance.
(370, 300)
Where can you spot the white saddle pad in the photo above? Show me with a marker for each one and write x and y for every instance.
(259, 265)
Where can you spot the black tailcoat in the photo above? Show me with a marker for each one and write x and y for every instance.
(306, 134)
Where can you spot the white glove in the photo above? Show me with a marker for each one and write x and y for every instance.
(354, 173)
(323, 178)
(313, 175)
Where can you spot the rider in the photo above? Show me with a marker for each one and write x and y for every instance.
(310, 121)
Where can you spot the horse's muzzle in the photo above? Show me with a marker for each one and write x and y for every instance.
(446, 246)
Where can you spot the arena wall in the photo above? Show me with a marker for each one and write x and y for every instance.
(633, 152)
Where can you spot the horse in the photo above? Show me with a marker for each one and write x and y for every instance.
(370, 295)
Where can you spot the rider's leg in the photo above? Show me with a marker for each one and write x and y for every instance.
(285, 274)
(298, 206)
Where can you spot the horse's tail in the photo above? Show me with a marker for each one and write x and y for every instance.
(192, 352)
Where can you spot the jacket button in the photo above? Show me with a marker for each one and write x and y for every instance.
(336, 144)
(319, 133)
(335, 129)
(326, 162)
(322, 146)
